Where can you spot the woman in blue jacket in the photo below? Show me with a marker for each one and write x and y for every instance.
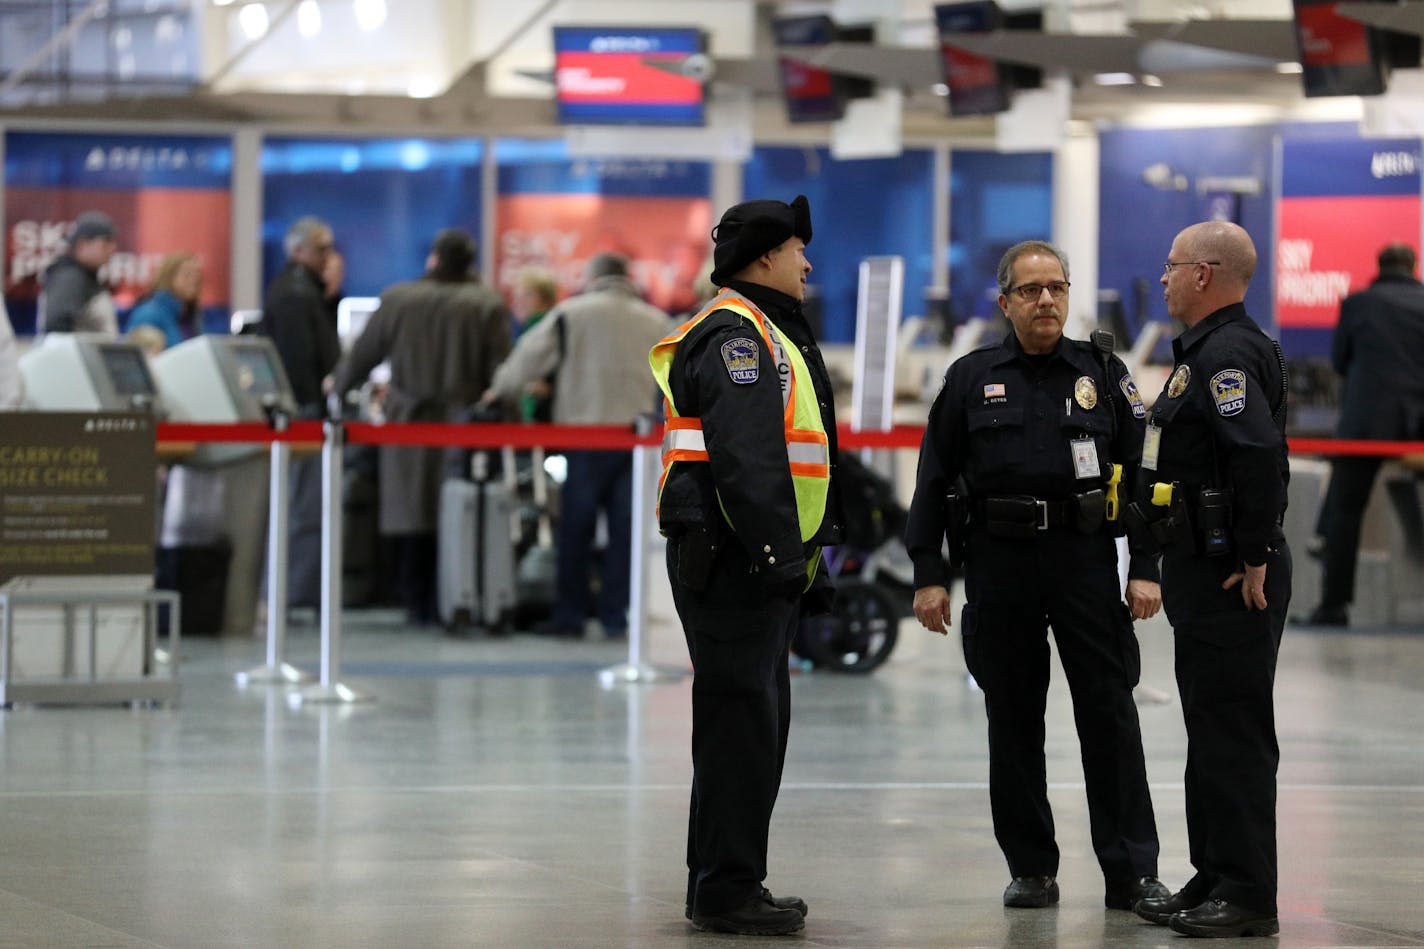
(171, 305)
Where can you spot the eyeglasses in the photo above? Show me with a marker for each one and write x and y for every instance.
(1167, 267)
(1032, 291)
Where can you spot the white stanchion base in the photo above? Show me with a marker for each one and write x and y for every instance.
(282, 674)
(337, 694)
(628, 673)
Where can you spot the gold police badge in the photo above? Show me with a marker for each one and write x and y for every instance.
(1179, 381)
(1085, 392)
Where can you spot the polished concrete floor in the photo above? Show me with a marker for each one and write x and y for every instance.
(494, 793)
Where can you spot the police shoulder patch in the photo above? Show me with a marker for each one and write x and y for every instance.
(1134, 398)
(1228, 391)
(743, 359)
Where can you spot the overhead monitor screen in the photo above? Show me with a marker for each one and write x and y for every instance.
(1338, 56)
(627, 76)
(255, 372)
(128, 373)
(977, 84)
(811, 94)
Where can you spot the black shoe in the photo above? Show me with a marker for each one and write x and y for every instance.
(780, 902)
(755, 917)
(1031, 892)
(784, 902)
(1325, 615)
(1159, 909)
(1126, 895)
(1217, 918)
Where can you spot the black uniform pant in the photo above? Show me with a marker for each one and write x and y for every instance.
(1016, 590)
(1226, 671)
(739, 639)
(1351, 480)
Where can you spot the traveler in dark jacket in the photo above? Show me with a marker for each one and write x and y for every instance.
(72, 298)
(1379, 352)
(295, 315)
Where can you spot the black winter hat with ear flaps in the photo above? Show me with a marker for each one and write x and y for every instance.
(752, 228)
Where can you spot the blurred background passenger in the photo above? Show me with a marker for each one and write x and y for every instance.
(171, 304)
(149, 338)
(443, 334)
(12, 387)
(333, 282)
(294, 315)
(535, 292)
(72, 299)
(596, 345)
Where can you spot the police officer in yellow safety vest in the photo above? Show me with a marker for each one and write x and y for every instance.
(747, 499)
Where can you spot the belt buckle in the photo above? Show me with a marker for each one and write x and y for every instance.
(1042, 515)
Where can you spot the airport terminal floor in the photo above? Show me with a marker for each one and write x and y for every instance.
(494, 794)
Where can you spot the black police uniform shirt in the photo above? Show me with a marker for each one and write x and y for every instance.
(1015, 424)
(742, 423)
(1212, 426)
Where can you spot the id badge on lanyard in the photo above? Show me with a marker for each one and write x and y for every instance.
(1151, 446)
(1085, 458)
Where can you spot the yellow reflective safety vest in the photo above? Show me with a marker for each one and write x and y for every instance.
(807, 448)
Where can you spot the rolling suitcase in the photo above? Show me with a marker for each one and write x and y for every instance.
(475, 583)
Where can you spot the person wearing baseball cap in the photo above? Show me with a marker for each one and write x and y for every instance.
(748, 500)
(72, 298)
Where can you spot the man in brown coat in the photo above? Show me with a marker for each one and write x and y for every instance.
(443, 334)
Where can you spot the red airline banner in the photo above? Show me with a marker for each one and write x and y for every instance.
(1326, 248)
(623, 77)
(665, 238)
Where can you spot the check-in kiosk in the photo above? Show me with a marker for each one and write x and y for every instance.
(88, 372)
(214, 378)
(215, 503)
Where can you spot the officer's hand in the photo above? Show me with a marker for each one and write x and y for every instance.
(1253, 589)
(1144, 598)
(932, 609)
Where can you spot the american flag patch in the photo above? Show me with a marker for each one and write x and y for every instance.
(994, 390)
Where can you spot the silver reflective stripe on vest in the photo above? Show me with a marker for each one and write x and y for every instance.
(684, 439)
(783, 364)
(808, 453)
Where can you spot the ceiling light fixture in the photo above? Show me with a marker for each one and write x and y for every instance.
(1289, 69)
(1115, 79)
(252, 18)
(308, 18)
(370, 14)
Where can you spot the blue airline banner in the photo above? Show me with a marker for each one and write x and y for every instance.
(385, 199)
(1356, 167)
(119, 162)
(543, 166)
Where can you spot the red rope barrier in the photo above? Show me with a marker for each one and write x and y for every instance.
(616, 437)
(1354, 446)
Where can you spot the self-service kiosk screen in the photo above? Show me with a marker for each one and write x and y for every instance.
(255, 372)
(128, 373)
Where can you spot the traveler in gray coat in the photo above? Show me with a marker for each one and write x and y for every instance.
(443, 334)
(596, 345)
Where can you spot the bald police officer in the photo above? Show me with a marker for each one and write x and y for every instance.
(747, 501)
(1214, 497)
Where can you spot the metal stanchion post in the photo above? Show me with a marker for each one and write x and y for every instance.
(635, 669)
(276, 668)
(329, 689)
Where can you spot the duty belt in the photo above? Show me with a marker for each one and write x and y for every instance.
(1025, 511)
